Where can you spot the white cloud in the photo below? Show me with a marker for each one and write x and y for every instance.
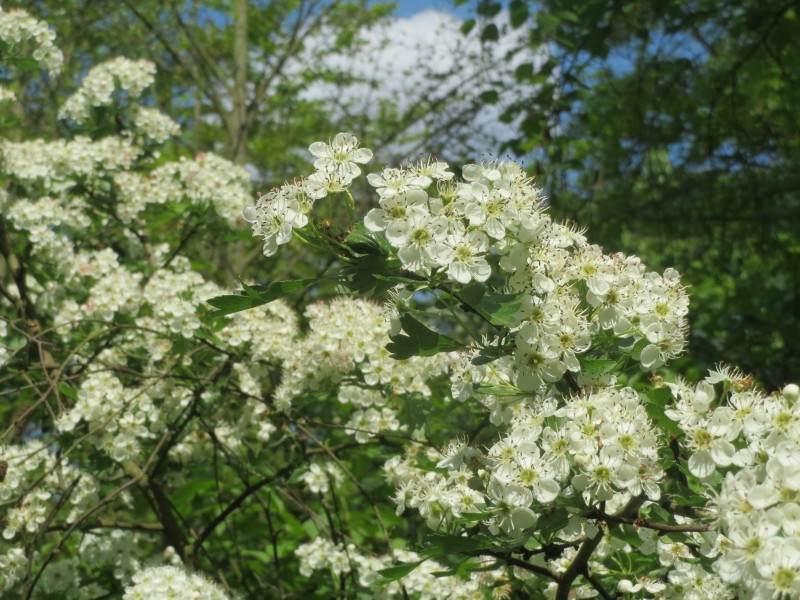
(424, 63)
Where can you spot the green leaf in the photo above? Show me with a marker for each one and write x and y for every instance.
(373, 267)
(657, 401)
(442, 544)
(488, 8)
(256, 296)
(553, 522)
(496, 390)
(259, 555)
(420, 341)
(364, 239)
(498, 309)
(518, 10)
(67, 390)
(396, 572)
(597, 366)
(523, 72)
(490, 33)
(467, 26)
(489, 97)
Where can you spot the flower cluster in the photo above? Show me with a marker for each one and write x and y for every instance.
(98, 86)
(18, 27)
(154, 124)
(603, 444)
(33, 481)
(172, 582)
(753, 438)
(208, 180)
(425, 582)
(135, 401)
(570, 291)
(279, 212)
(60, 164)
(346, 343)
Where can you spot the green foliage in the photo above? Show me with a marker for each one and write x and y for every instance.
(419, 340)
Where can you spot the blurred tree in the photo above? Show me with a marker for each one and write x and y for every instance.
(228, 69)
(259, 80)
(672, 129)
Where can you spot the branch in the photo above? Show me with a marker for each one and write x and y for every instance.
(517, 562)
(640, 522)
(237, 503)
(580, 565)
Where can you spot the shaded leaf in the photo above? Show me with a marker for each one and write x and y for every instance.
(396, 572)
(256, 296)
(419, 341)
(498, 309)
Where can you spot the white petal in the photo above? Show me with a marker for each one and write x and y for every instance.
(460, 272)
(547, 490)
(701, 464)
(320, 149)
(722, 452)
(649, 356)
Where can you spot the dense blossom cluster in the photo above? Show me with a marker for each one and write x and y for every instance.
(98, 86)
(208, 180)
(172, 582)
(125, 392)
(34, 481)
(602, 444)
(346, 344)
(425, 582)
(757, 508)
(279, 212)
(18, 27)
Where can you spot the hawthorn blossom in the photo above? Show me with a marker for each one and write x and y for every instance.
(341, 156)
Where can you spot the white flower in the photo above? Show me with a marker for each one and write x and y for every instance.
(779, 564)
(420, 238)
(274, 217)
(340, 156)
(396, 208)
(602, 474)
(468, 260)
(511, 502)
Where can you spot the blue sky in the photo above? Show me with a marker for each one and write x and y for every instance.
(406, 8)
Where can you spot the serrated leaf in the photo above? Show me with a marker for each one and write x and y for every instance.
(420, 341)
(551, 523)
(597, 366)
(396, 572)
(363, 237)
(498, 309)
(256, 296)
